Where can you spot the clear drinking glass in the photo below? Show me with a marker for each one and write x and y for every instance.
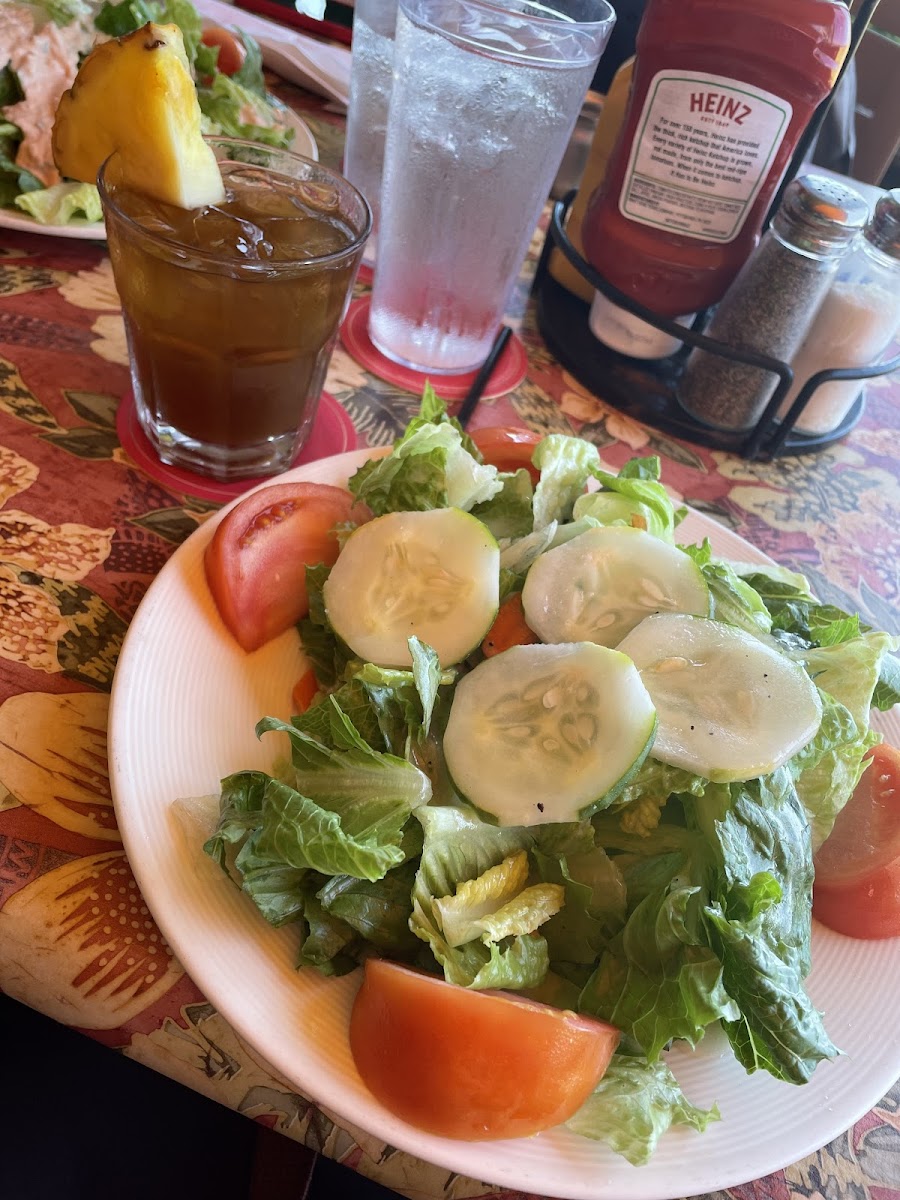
(484, 101)
(371, 80)
(232, 311)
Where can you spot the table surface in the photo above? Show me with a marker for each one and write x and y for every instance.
(84, 530)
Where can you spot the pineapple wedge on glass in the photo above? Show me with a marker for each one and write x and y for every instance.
(134, 97)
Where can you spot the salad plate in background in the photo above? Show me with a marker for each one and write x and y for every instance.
(44, 41)
(178, 661)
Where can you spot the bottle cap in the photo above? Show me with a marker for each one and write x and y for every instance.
(631, 335)
(883, 231)
(820, 216)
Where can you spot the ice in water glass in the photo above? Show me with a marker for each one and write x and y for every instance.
(485, 98)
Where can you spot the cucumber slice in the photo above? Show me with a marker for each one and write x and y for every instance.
(601, 584)
(541, 733)
(434, 574)
(730, 706)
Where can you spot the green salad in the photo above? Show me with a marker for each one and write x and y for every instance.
(667, 758)
(44, 43)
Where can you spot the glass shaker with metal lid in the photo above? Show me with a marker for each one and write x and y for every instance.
(856, 323)
(773, 301)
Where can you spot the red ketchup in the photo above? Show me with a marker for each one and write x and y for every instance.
(722, 91)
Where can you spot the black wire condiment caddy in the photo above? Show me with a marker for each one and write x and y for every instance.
(647, 389)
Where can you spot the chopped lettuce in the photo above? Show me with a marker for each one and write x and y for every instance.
(634, 497)
(759, 923)
(433, 465)
(632, 1107)
(498, 904)
(566, 464)
(62, 203)
(660, 980)
(459, 847)
(15, 181)
(508, 514)
(234, 110)
(117, 20)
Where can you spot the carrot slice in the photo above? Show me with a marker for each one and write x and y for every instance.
(509, 628)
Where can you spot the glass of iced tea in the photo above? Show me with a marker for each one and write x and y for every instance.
(232, 311)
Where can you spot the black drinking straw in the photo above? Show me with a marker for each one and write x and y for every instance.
(480, 382)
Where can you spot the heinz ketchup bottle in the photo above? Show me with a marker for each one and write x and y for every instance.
(722, 91)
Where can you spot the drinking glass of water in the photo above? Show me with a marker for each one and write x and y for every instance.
(486, 94)
(371, 79)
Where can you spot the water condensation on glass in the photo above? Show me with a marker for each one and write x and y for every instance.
(473, 148)
(371, 80)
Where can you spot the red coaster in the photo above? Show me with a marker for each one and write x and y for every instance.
(508, 374)
(333, 432)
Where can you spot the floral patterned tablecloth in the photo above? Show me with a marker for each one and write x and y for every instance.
(83, 531)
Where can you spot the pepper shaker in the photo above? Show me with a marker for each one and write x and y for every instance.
(772, 302)
(856, 323)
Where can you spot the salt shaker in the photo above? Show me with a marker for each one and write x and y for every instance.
(772, 302)
(857, 322)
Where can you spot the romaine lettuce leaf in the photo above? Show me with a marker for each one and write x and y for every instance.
(497, 904)
(803, 622)
(459, 847)
(183, 14)
(378, 910)
(391, 709)
(633, 497)
(732, 599)
(330, 944)
(565, 463)
(433, 465)
(57, 205)
(371, 793)
(594, 908)
(459, 914)
(280, 892)
(117, 20)
(827, 770)
(660, 980)
(632, 1107)
(759, 920)
(355, 825)
(240, 809)
(850, 670)
(328, 654)
(226, 105)
(509, 513)
(14, 180)
(297, 831)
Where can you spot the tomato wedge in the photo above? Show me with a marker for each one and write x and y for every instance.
(507, 447)
(257, 559)
(509, 628)
(472, 1065)
(857, 884)
(232, 51)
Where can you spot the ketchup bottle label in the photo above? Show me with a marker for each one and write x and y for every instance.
(703, 148)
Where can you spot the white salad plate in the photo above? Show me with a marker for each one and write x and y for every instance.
(185, 702)
(95, 231)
